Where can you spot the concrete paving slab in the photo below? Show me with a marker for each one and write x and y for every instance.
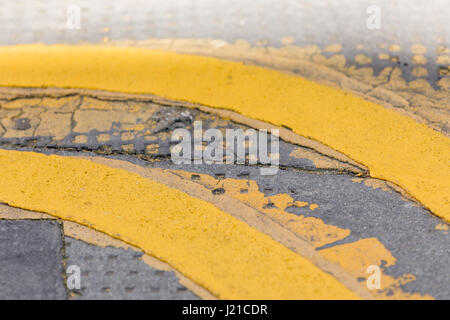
(31, 260)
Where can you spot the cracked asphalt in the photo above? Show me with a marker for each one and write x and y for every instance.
(353, 207)
(319, 195)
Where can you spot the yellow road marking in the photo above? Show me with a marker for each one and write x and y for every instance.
(100, 239)
(214, 249)
(315, 231)
(356, 257)
(393, 146)
(353, 257)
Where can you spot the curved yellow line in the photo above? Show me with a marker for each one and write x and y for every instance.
(393, 146)
(214, 249)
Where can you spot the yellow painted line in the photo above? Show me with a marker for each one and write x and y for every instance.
(214, 249)
(393, 146)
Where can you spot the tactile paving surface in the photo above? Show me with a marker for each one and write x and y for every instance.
(412, 35)
(31, 260)
(115, 273)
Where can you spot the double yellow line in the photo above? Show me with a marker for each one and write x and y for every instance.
(214, 249)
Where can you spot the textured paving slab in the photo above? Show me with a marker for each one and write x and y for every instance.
(31, 260)
(266, 23)
(115, 273)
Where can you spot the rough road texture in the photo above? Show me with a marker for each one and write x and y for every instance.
(80, 122)
(332, 204)
(265, 23)
(328, 203)
(114, 273)
(31, 260)
(406, 62)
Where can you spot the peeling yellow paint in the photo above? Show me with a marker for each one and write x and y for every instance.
(287, 40)
(62, 104)
(444, 83)
(103, 137)
(311, 229)
(319, 160)
(419, 59)
(54, 124)
(298, 60)
(20, 103)
(393, 146)
(441, 226)
(362, 59)
(128, 135)
(214, 249)
(357, 256)
(394, 48)
(91, 103)
(334, 48)
(418, 49)
(420, 72)
(443, 49)
(373, 183)
(152, 148)
(80, 139)
(94, 237)
(128, 147)
(445, 60)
